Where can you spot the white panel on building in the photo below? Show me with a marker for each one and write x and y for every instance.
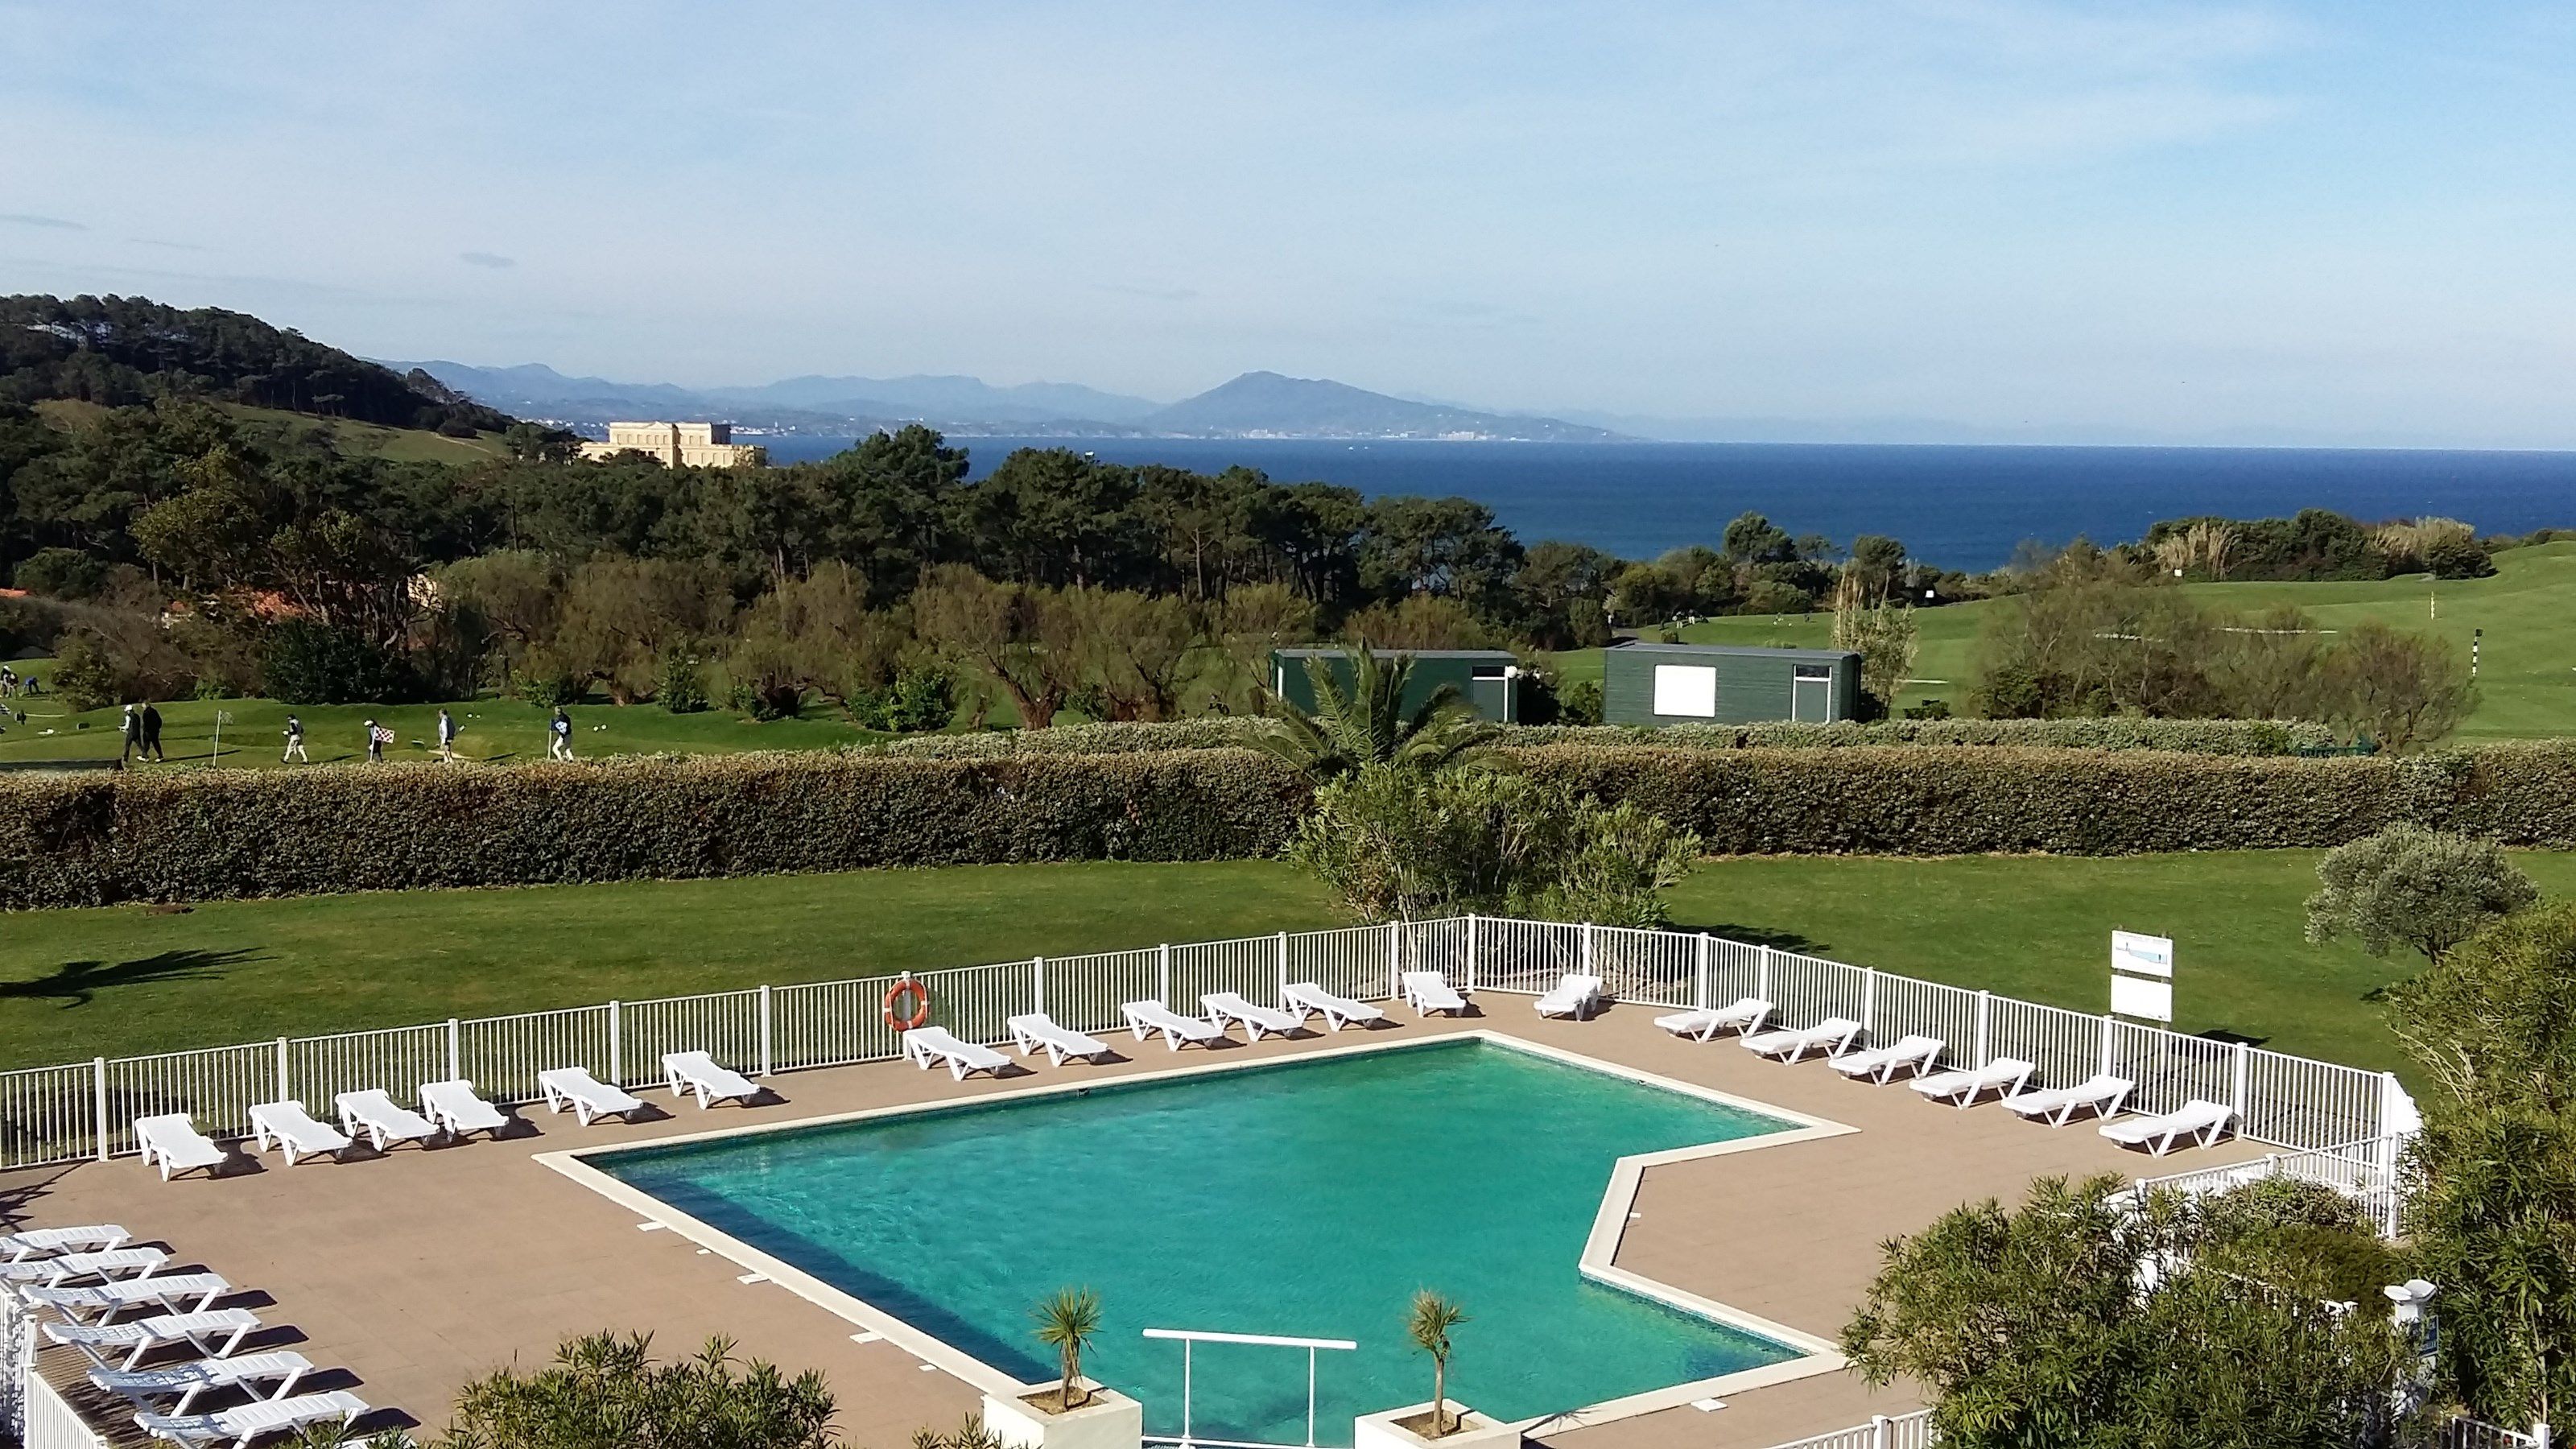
(1686, 689)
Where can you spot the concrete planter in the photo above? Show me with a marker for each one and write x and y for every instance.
(1110, 1421)
(1475, 1431)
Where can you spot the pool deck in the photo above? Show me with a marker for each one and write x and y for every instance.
(420, 1270)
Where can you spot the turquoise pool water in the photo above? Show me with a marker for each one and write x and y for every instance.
(1306, 1198)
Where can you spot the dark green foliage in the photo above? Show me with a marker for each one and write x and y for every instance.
(1928, 710)
(305, 661)
(123, 350)
(607, 1392)
(2459, 558)
(2031, 1327)
(64, 573)
(681, 687)
(1579, 704)
(2412, 887)
(84, 677)
(2315, 545)
(917, 701)
(1366, 723)
(546, 687)
(212, 834)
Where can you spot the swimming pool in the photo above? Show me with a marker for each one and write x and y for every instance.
(1305, 1197)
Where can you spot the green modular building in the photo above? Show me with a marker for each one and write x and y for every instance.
(1663, 684)
(1489, 678)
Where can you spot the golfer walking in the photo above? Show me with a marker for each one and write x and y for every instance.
(152, 730)
(377, 738)
(559, 736)
(446, 737)
(133, 731)
(294, 742)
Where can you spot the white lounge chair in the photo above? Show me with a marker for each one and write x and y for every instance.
(1835, 1034)
(173, 1294)
(288, 1126)
(1429, 991)
(1037, 1032)
(45, 1242)
(1144, 1018)
(2199, 1120)
(2058, 1105)
(1306, 998)
(173, 1142)
(64, 1268)
(1744, 1014)
(711, 1082)
(1226, 1006)
(184, 1381)
(458, 1111)
(1574, 996)
(937, 1046)
(384, 1120)
(589, 1098)
(250, 1421)
(215, 1333)
(1881, 1064)
(1962, 1088)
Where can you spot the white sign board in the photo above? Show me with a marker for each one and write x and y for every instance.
(2142, 976)
(2142, 955)
(2144, 999)
(1687, 690)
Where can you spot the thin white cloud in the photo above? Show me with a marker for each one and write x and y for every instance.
(493, 260)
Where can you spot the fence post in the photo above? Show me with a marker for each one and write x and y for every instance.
(2108, 1026)
(764, 1029)
(99, 1066)
(1395, 958)
(455, 1058)
(1163, 976)
(1283, 966)
(1474, 953)
(2237, 1085)
(616, 1057)
(1762, 974)
(1585, 950)
(1868, 1000)
(283, 1093)
(1699, 971)
(1037, 983)
(1878, 1431)
(1985, 1013)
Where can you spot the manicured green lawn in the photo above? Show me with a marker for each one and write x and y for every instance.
(2527, 663)
(123, 980)
(74, 984)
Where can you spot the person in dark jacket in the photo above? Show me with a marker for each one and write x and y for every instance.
(152, 730)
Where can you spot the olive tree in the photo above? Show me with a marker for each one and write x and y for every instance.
(2036, 1325)
(2493, 1210)
(2410, 886)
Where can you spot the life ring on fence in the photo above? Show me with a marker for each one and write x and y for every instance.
(920, 995)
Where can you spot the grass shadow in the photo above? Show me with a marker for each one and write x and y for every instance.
(1757, 936)
(77, 983)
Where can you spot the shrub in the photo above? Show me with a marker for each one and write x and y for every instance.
(63, 573)
(681, 687)
(305, 661)
(1398, 843)
(917, 701)
(2409, 886)
(208, 834)
(546, 685)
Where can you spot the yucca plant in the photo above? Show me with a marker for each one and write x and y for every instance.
(1428, 1325)
(1067, 1320)
(1367, 723)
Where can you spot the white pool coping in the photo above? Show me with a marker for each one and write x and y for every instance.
(1600, 1250)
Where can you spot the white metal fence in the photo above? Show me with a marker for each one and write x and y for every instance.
(64, 1113)
(1901, 1431)
(2365, 1172)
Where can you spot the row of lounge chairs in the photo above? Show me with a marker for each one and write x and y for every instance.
(1035, 1033)
(87, 1278)
(2008, 1078)
(450, 1111)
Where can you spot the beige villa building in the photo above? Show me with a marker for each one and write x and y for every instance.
(682, 445)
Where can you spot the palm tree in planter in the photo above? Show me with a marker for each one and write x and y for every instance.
(1067, 1320)
(1367, 723)
(1428, 1325)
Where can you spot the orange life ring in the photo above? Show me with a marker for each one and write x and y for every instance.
(920, 995)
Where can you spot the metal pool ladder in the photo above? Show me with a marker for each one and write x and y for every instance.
(1189, 1337)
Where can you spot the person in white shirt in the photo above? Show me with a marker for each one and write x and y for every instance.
(294, 742)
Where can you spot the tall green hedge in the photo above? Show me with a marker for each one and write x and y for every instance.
(197, 835)
(95, 839)
(2195, 736)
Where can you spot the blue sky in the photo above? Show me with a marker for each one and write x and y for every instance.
(2345, 222)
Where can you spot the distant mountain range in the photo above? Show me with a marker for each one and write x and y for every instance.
(1255, 405)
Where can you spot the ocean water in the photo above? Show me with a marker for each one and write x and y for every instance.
(1308, 1199)
(1960, 507)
